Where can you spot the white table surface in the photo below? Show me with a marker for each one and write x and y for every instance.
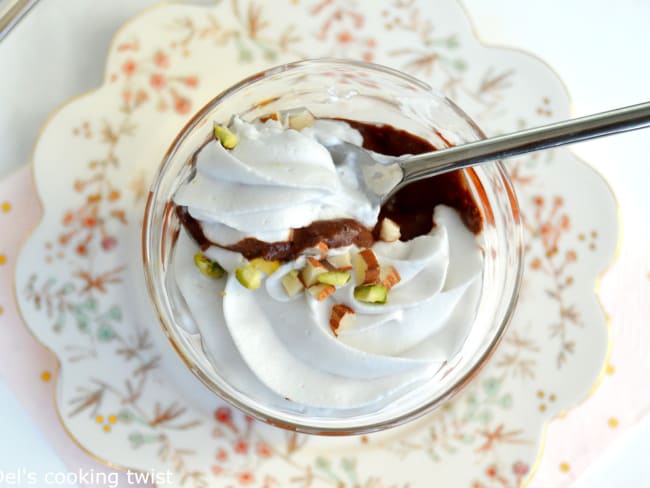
(601, 49)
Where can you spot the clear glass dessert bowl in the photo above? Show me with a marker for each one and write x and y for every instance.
(360, 92)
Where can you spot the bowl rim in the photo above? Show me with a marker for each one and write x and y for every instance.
(169, 329)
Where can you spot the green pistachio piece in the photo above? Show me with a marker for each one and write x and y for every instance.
(227, 138)
(207, 267)
(249, 277)
(371, 293)
(336, 278)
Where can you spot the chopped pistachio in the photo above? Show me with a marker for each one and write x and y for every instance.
(227, 138)
(266, 267)
(336, 278)
(371, 293)
(313, 268)
(207, 267)
(249, 277)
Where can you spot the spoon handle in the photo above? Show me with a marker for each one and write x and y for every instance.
(525, 141)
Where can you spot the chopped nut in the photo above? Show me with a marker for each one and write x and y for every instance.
(249, 277)
(227, 138)
(389, 276)
(207, 267)
(319, 250)
(336, 278)
(322, 291)
(390, 231)
(291, 283)
(300, 120)
(323, 248)
(309, 274)
(341, 262)
(342, 317)
(371, 294)
(266, 267)
(272, 116)
(367, 267)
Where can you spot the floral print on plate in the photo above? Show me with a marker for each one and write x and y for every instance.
(124, 395)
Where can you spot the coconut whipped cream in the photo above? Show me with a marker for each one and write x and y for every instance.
(333, 327)
(272, 181)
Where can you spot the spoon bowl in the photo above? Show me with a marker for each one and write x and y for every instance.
(381, 176)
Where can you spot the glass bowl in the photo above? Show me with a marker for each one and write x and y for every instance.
(363, 92)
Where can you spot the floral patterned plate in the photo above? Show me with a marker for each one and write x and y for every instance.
(122, 393)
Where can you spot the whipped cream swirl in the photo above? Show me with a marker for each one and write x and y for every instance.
(276, 180)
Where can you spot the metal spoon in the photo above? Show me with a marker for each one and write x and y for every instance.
(384, 177)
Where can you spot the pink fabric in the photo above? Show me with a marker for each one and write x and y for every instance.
(27, 367)
(623, 398)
